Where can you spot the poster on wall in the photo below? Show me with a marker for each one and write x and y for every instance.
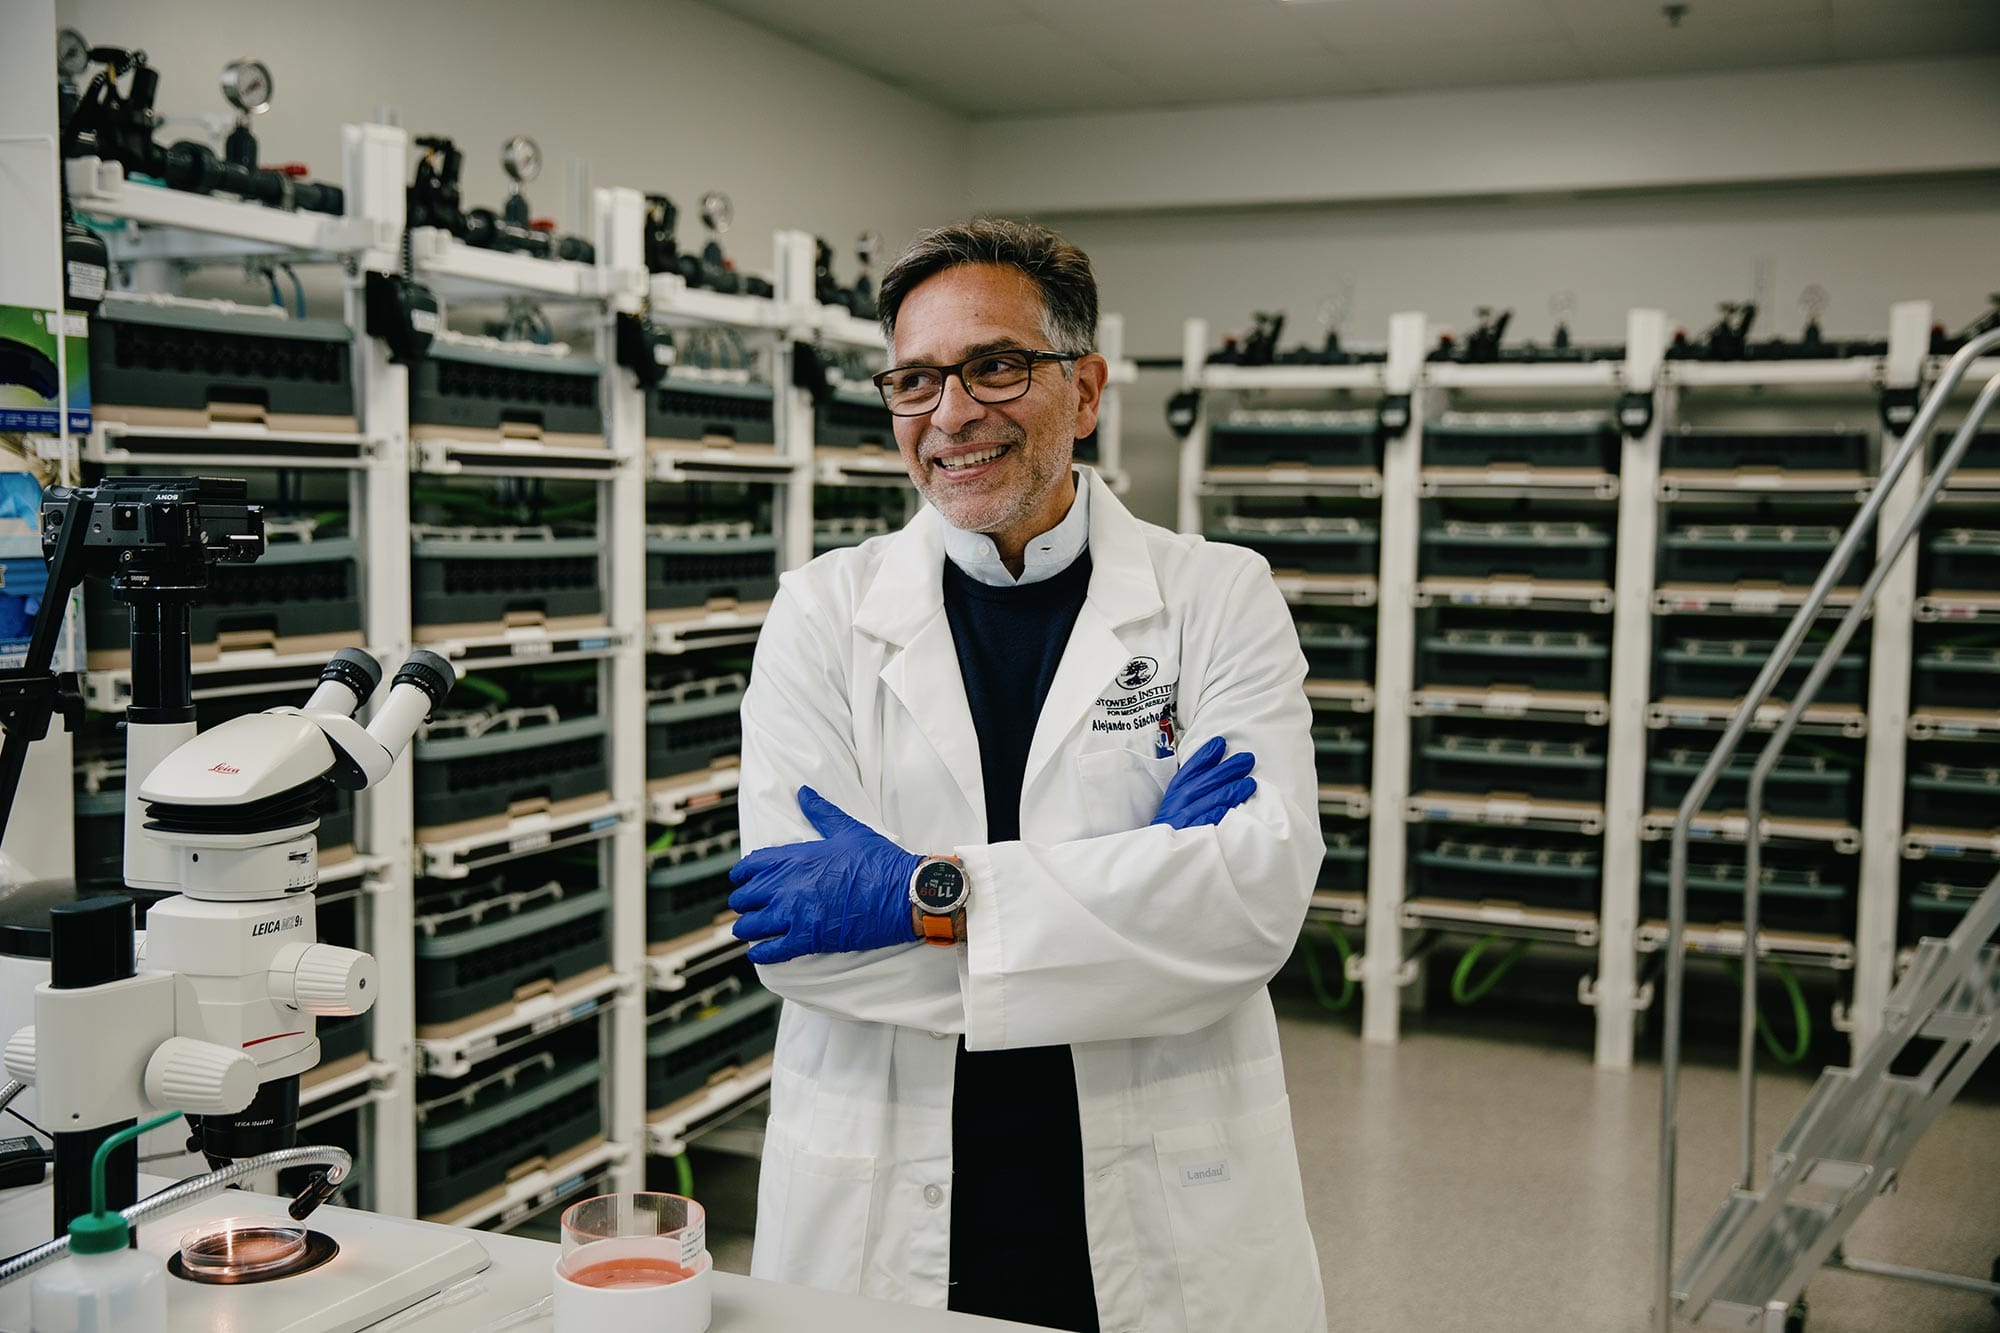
(29, 384)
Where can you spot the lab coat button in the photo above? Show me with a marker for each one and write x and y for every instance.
(933, 1195)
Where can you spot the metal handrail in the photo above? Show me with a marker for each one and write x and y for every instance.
(1704, 784)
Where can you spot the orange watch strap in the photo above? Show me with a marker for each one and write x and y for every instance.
(933, 928)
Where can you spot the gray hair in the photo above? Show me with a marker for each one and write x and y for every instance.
(1060, 270)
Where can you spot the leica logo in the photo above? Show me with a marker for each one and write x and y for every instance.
(224, 768)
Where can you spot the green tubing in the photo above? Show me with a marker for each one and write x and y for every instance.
(485, 686)
(684, 1175)
(1801, 1015)
(102, 1158)
(1461, 992)
(1331, 1003)
(661, 843)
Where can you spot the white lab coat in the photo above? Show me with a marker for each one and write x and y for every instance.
(1146, 949)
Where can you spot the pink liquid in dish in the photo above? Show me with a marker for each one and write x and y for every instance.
(636, 1271)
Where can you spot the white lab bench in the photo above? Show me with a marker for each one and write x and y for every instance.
(520, 1277)
(378, 1251)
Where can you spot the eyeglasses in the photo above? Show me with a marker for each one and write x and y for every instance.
(990, 377)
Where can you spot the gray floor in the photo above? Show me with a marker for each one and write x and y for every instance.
(1482, 1175)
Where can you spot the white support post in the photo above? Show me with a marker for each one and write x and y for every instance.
(1194, 449)
(1395, 638)
(1111, 410)
(793, 257)
(622, 534)
(380, 520)
(1631, 688)
(1889, 664)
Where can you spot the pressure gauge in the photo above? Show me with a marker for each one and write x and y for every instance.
(247, 85)
(865, 246)
(72, 53)
(522, 159)
(716, 211)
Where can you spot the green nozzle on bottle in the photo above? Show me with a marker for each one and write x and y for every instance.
(101, 1231)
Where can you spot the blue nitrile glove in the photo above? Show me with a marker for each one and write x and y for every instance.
(1207, 787)
(848, 892)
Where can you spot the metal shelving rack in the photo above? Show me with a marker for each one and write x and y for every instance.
(1642, 493)
(1312, 468)
(167, 234)
(1930, 867)
(597, 293)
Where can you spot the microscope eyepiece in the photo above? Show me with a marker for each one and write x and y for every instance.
(428, 672)
(355, 669)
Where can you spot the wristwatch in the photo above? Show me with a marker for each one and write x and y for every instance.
(938, 891)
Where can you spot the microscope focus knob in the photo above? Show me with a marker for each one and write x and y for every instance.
(201, 1077)
(331, 982)
(21, 1055)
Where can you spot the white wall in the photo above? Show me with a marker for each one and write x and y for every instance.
(1829, 122)
(1868, 245)
(29, 259)
(657, 95)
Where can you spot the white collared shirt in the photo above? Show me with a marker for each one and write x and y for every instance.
(1047, 555)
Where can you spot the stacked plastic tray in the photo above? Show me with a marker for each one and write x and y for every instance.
(1513, 662)
(522, 740)
(1754, 504)
(1295, 476)
(522, 927)
(196, 364)
(473, 578)
(489, 394)
(1951, 843)
(721, 1021)
(523, 1108)
(693, 716)
(853, 418)
(685, 411)
(687, 874)
(850, 515)
(303, 594)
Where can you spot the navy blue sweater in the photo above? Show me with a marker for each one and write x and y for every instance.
(1018, 1246)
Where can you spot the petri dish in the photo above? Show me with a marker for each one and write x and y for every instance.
(233, 1249)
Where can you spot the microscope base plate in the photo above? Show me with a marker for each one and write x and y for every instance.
(385, 1265)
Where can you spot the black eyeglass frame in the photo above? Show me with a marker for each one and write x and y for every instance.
(1035, 357)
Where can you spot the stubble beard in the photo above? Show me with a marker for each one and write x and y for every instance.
(1036, 464)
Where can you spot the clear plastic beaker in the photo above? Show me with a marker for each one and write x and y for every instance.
(636, 1262)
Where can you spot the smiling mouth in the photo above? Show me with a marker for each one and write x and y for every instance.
(997, 452)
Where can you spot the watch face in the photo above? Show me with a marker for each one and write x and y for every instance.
(939, 887)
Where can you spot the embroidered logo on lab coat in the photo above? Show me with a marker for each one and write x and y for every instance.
(1138, 672)
(1138, 699)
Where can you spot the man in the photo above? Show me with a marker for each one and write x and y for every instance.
(1021, 906)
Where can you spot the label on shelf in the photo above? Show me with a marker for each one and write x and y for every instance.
(1756, 603)
(1500, 704)
(528, 842)
(1507, 812)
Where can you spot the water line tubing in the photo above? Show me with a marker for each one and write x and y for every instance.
(1463, 989)
(684, 1175)
(1801, 1015)
(1333, 1004)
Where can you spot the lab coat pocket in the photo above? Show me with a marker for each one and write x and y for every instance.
(1242, 1248)
(1122, 788)
(820, 1229)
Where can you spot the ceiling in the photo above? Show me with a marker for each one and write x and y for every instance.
(1007, 57)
